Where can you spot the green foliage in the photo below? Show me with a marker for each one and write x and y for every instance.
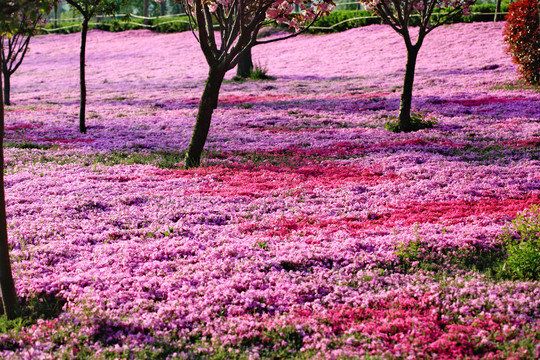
(114, 24)
(282, 343)
(522, 244)
(515, 257)
(516, 85)
(261, 244)
(117, 25)
(260, 72)
(479, 13)
(336, 21)
(341, 20)
(31, 310)
(409, 252)
(171, 24)
(160, 158)
(417, 254)
(418, 122)
(12, 11)
(26, 145)
(89, 8)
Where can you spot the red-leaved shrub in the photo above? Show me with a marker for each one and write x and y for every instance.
(522, 34)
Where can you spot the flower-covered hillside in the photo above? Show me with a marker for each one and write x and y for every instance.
(309, 232)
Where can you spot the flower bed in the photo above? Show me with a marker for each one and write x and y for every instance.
(309, 232)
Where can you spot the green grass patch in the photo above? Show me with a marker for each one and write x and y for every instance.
(171, 24)
(516, 85)
(31, 310)
(522, 244)
(161, 158)
(418, 122)
(28, 145)
(259, 72)
(418, 254)
(495, 153)
(515, 255)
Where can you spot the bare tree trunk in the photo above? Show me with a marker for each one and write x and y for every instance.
(146, 5)
(497, 10)
(84, 32)
(7, 87)
(209, 102)
(7, 285)
(245, 65)
(162, 8)
(406, 94)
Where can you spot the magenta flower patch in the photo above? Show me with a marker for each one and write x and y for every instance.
(310, 231)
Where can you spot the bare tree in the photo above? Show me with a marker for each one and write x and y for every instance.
(88, 9)
(9, 25)
(13, 48)
(146, 11)
(245, 65)
(497, 11)
(237, 24)
(397, 14)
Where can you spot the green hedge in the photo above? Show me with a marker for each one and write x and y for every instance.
(161, 25)
(343, 20)
(171, 24)
(114, 25)
(336, 21)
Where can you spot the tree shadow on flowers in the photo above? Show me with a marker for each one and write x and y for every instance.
(33, 309)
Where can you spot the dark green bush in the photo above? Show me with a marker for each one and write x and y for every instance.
(160, 25)
(343, 20)
(171, 25)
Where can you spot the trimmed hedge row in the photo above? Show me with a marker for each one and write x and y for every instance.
(336, 21)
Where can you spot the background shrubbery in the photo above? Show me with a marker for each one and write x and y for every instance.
(348, 19)
(522, 245)
(160, 25)
(336, 21)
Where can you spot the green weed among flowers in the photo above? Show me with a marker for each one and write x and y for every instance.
(522, 243)
(33, 309)
(418, 120)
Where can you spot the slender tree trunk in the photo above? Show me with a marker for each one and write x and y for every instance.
(7, 285)
(245, 65)
(84, 32)
(162, 8)
(146, 5)
(7, 88)
(497, 10)
(209, 102)
(406, 94)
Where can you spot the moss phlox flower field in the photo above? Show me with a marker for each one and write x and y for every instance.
(310, 231)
